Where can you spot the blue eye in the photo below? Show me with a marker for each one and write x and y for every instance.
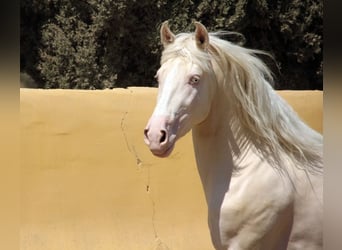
(194, 80)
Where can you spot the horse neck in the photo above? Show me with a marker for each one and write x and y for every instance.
(212, 150)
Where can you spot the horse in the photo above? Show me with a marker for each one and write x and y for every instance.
(260, 165)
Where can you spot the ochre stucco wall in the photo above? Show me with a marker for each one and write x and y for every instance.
(89, 182)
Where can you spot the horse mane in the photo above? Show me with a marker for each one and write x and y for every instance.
(261, 116)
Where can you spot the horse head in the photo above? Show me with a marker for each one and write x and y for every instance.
(185, 91)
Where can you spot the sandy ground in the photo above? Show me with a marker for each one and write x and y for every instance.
(89, 182)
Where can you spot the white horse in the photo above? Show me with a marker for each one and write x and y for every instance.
(260, 165)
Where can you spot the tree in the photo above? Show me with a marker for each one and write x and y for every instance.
(101, 43)
(69, 55)
(291, 30)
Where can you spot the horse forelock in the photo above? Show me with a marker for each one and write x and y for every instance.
(184, 47)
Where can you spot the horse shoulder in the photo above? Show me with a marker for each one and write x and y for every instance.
(258, 196)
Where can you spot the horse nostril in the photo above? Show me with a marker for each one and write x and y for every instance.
(163, 136)
(146, 133)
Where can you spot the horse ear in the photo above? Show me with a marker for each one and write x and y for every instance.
(201, 35)
(166, 35)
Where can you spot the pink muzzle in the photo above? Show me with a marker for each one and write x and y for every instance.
(157, 136)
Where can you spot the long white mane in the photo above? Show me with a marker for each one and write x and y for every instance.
(261, 116)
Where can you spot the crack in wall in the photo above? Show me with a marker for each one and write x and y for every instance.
(131, 149)
(159, 244)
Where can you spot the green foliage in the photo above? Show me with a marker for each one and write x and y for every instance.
(69, 55)
(129, 41)
(95, 44)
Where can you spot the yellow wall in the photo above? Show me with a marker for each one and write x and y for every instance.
(89, 182)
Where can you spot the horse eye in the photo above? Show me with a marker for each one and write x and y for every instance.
(194, 80)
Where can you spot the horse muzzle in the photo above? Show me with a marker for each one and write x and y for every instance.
(157, 136)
